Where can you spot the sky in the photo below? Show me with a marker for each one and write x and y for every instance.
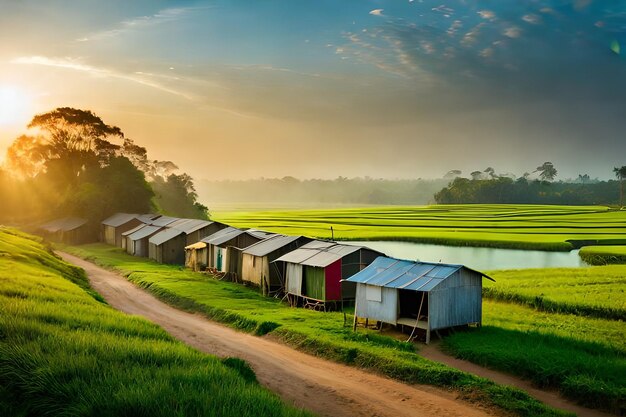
(236, 89)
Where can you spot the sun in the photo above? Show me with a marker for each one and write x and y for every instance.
(15, 106)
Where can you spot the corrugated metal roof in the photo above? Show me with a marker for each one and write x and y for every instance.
(269, 245)
(223, 235)
(133, 230)
(318, 253)
(260, 233)
(119, 219)
(197, 245)
(165, 235)
(163, 221)
(409, 275)
(148, 218)
(145, 231)
(63, 225)
(189, 225)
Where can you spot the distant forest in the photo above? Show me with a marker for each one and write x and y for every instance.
(289, 190)
(522, 191)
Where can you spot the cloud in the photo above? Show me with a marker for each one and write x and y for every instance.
(512, 32)
(533, 19)
(486, 14)
(377, 12)
(76, 65)
(163, 16)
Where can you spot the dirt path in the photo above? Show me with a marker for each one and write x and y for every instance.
(324, 387)
(551, 398)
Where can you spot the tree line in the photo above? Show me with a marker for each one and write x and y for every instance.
(77, 165)
(487, 187)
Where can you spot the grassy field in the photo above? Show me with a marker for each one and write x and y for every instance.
(603, 255)
(63, 352)
(595, 291)
(506, 226)
(598, 343)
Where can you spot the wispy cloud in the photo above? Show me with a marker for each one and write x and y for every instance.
(162, 16)
(76, 65)
(377, 12)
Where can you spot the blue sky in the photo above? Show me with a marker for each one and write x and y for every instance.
(326, 88)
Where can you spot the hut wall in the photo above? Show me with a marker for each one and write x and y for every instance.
(367, 304)
(140, 247)
(124, 228)
(109, 234)
(333, 281)
(314, 283)
(173, 251)
(456, 301)
(294, 277)
(253, 268)
(152, 251)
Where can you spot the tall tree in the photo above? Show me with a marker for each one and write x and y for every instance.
(547, 171)
(620, 173)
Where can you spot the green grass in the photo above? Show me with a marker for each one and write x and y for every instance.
(603, 255)
(584, 358)
(598, 291)
(325, 335)
(505, 226)
(63, 352)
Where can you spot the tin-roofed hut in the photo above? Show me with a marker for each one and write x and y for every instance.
(313, 272)
(422, 295)
(71, 230)
(137, 239)
(223, 249)
(114, 226)
(257, 267)
(167, 246)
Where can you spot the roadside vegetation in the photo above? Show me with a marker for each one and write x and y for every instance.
(593, 291)
(557, 228)
(597, 342)
(603, 255)
(64, 352)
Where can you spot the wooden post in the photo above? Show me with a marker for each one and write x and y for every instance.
(355, 318)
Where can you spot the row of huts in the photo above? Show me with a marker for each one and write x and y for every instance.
(315, 273)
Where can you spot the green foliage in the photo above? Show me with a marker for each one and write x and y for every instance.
(603, 255)
(321, 334)
(64, 353)
(504, 190)
(176, 196)
(593, 292)
(505, 226)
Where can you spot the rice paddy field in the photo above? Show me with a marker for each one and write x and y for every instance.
(505, 226)
(603, 255)
(593, 291)
(65, 353)
(581, 355)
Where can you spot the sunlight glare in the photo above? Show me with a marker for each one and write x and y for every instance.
(14, 106)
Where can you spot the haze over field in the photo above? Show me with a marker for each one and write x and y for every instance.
(243, 89)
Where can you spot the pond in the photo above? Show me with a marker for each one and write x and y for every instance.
(476, 258)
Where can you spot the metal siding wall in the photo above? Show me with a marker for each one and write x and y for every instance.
(247, 270)
(459, 303)
(332, 275)
(314, 282)
(109, 235)
(152, 252)
(294, 278)
(386, 310)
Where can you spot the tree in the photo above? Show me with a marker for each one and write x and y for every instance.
(583, 178)
(176, 195)
(620, 174)
(476, 175)
(453, 174)
(491, 172)
(547, 172)
(83, 171)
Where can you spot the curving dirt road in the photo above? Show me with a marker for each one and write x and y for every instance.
(324, 387)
